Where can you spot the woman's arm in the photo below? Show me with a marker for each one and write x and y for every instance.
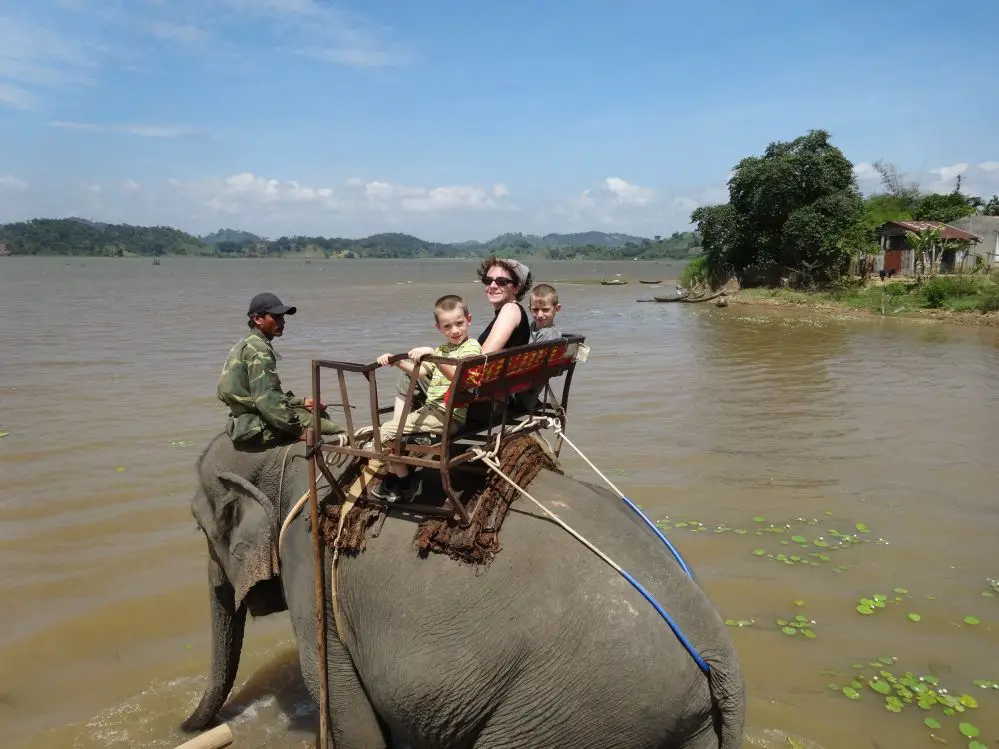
(506, 322)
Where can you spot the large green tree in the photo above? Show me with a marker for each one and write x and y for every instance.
(788, 213)
(946, 208)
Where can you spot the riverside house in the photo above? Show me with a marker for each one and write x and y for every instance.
(898, 255)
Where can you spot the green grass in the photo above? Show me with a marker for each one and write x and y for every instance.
(961, 293)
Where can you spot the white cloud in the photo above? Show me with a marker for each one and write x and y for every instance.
(10, 182)
(865, 171)
(500, 190)
(357, 57)
(17, 98)
(317, 30)
(989, 166)
(33, 58)
(179, 32)
(130, 185)
(628, 193)
(949, 173)
(145, 131)
(618, 205)
(247, 193)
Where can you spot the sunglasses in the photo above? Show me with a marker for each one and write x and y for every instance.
(500, 281)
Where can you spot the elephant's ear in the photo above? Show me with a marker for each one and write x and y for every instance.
(238, 523)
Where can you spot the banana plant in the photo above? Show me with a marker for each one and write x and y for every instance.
(925, 243)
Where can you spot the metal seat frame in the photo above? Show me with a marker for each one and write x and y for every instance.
(486, 381)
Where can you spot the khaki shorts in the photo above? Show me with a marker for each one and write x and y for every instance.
(425, 419)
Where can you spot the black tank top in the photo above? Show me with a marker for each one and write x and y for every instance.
(520, 336)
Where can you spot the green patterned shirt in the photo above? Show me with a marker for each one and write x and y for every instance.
(439, 383)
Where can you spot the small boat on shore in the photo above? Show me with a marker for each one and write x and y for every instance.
(642, 280)
(614, 282)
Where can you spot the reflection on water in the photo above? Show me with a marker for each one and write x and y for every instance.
(699, 414)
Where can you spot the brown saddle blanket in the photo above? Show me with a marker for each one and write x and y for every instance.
(521, 457)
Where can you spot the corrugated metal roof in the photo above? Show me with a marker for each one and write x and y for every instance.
(946, 230)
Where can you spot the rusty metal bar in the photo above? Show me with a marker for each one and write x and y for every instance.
(346, 411)
(322, 740)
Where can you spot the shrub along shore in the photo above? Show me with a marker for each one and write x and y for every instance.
(962, 299)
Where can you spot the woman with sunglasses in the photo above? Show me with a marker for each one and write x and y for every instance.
(506, 282)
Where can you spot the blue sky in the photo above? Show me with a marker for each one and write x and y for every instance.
(458, 120)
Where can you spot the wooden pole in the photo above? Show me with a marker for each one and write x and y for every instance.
(214, 739)
(322, 740)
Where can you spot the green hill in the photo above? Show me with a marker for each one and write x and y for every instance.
(76, 236)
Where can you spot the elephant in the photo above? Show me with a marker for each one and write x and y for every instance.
(546, 646)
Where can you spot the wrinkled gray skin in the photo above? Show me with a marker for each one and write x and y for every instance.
(546, 647)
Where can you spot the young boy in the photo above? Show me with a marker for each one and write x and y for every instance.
(451, 318)
(544, 305)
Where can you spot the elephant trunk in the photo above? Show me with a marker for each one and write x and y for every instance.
(228, 624)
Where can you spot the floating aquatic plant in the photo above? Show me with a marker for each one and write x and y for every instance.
(813, 550)
(909, 690)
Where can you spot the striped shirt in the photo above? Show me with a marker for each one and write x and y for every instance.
(439, 383)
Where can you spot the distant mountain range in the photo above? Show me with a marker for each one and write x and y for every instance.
(80, 236)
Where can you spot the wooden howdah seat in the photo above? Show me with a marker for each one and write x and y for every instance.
(509, 391)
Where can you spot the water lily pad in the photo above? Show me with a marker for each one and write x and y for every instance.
(971, 620)
(900, 591)
(865, 609)
(759, 519)
(120, 469)
(968, 701)
(931, 722)
(808, 633)
(914, 617)
(850, 693)
(969, 730)
(880, 687)
(861, 527)
(3, 434)
(759, 552)
(976, 745)
(789, 630)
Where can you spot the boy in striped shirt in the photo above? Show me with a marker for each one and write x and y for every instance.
(452, 318)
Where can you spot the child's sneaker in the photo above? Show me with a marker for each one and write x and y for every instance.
(387, 489)
(409, 487)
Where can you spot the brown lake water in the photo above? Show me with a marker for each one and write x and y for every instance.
(702, 415)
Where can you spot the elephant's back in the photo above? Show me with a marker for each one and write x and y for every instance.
(546, 614)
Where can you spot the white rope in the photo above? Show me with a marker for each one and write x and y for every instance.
(488, 460)
(557, 428)
(340, 439)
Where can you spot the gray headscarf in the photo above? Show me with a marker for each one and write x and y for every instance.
(519, 269)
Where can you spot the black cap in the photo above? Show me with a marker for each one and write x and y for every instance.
(266, 302)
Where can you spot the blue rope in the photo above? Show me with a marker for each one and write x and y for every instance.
(701, 663)
(662, 536)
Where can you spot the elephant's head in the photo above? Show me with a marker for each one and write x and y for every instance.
(236, 507)
(240, 524)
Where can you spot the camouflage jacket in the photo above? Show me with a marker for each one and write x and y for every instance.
(249, 385)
